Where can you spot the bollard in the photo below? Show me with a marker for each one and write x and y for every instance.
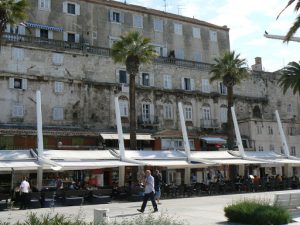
(100, 216)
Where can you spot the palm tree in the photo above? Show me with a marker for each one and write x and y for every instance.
(290, 78)
(11, 12)
(296, 25)
(133, 49)
(230, 69)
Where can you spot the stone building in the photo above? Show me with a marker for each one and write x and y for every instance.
(64, 52)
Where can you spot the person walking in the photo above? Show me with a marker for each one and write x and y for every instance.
(157, 185)
(149, 192)
(24, 192)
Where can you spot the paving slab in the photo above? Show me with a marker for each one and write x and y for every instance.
(205, 210)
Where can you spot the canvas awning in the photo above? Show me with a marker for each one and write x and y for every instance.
(274, 157)
(173, 163)
(213, 140)
(45, 27)
(18, 165)
(114, 136)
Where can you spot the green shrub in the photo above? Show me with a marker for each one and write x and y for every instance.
(57, 219)
(256, 212)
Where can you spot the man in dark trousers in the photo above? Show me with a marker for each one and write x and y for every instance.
(157, 184)
(24, 191)
(149, 192)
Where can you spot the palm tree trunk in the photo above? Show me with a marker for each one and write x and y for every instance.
(230, 130)
(132, 112)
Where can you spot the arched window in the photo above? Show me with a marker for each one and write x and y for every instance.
(223, 114)
(123, 104)
(257, 112)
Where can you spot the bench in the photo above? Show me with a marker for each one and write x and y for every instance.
(74, 197)
(101, 196)
(287, 200)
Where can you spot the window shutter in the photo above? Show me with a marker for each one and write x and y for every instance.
(50, 34)
(182, 83)
(151, 77)
(11, 82)
(77, 9)
(37, 32)
(170, 82)
(24, 84)
(111, 17)
(65, 7)
(77, 36)
(65, 36)
(152, 113)
(21, 30)
(141, 79)
(127, 78)
(7, 29)
(165, 52)
(192, 84)
(122, 17)
(117, 76)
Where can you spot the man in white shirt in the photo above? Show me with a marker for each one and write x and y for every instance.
(24, 190)
(149, 192)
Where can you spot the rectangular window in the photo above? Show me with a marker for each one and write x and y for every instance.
(58, 113)
(18, 54)
(146, 112)
(196, 32)
(146, 79)
(123, 108)
(158, 25)
(58, 87)
(179, 53)
(122, 77)
(222, 88)
(71, 37)
(167, 81)
(197, 56)
(205, 86)
(187, 84)
(44, 5)
(57, 59)
(258, 129)
(293, 150)
(260, 148)
(213, 36)
(206, 113)
(116, 16)
(44, 33)
(270, 130)
(178, 28)
(18, 111)
(137, 21)
(291, 131)
(188, 113)
(168, 111)
(71, 8)
(18, 83)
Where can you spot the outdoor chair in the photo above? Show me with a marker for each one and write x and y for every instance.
(3, 201)
(74, 197)
(34, 200)
(48, 199)
(99, 197)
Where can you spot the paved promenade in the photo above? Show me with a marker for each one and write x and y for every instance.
(206, 210)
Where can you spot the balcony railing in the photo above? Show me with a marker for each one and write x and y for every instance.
(209, 124)
(148, 120)
(20, 40)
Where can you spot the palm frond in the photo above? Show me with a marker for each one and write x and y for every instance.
(289, 3)
(292, 30)
(290, 78)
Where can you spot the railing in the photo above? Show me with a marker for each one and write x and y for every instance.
(17, 39)
(207, 124)
(147, 120)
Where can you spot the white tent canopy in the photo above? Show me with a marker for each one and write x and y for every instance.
(274, 157)
(17, 160)
(80, 160)
(114, 136)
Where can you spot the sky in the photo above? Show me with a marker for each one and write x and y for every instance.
(247, 20)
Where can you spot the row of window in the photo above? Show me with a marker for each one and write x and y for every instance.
(21, 84)
(168, 112)
(117, 16)
(290, 130)
(187, 84)
(18, 111)
(272, 148)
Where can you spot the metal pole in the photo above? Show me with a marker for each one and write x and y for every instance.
(39, 139)
(120, 131)
(237, 133)
(186, 142)
(282, 135)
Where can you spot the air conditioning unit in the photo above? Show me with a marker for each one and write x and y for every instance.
(125, 88)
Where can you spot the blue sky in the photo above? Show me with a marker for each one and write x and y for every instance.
(247, 21)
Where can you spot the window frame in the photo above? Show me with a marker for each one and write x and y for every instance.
(137, 21)
(168, 111)
(58, 110)
(124, 108)
(46, 7)
(188, 112)
(178, 28)
(158, 25)
(196, 32)
(17, 108)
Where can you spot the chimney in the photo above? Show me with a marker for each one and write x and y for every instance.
(258, 64)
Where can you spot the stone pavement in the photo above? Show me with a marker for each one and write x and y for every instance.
(206, 210)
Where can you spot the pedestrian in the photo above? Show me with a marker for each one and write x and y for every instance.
(157, 185)
(149, 192)
(24, 192)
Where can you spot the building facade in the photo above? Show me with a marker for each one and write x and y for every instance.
(64, 52)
